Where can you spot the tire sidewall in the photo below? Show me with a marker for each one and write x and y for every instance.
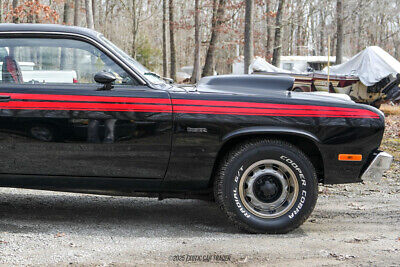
(305, 177)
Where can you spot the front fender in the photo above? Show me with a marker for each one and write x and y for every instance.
(270, 130)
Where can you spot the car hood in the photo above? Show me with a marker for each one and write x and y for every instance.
(262, 87)
(245, 84)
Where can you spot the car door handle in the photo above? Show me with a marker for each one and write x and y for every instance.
(5, 98)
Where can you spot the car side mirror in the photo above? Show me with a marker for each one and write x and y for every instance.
(106, 78)
(168, 80)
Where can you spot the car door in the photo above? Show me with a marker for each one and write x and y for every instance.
(56, 120)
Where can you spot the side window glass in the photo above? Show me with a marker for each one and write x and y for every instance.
(55, 61)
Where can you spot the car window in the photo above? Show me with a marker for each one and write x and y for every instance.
(59, 61)
(153, 77)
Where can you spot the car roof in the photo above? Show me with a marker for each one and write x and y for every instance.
(26, 27)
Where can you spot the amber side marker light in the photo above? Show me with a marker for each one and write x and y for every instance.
(350, 157)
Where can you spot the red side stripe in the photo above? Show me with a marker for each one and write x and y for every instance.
(91, 109)
(189, 112)
(180, 106)
(281, 115)
(287, 112)
(262, 105)
(74, 105)
(85, 98)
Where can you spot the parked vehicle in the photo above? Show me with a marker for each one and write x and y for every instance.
(371, 77)
(304, 64)
(260, 155)
(48, 76)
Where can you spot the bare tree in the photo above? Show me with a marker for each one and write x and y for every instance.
(164, 39)
(276, 58)
(172, 39)
(14, 5)
(94, 9)
(248, 35)
(268, 41)
(76, 23)
(134, 29)
(322, 33)
(1, 11)
(76, 12)
(339, 34)
(217, 22)
(304, 24)
(197, 39)
(89, 14)
(67, 17)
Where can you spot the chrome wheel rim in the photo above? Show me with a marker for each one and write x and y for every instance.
(268, 188)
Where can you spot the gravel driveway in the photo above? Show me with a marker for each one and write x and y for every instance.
(352, 224)
(357, 224)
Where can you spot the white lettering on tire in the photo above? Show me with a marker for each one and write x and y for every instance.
(300, 205)
(239, 205)
(235, 194)
(238, 174)
(303, 182)
(297, 168)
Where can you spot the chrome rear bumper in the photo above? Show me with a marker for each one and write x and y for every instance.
(377, 167)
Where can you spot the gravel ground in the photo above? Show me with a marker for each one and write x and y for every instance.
(357, 224)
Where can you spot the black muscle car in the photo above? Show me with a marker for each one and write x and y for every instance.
(110, 126)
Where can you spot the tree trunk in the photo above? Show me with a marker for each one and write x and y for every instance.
(76, 12)
(164, 38)
(322, 35)
(172, 39)
(14, 5)
(66, 21)
(268, 42)
(359, 25)
(1, 11)
(276, 58)
(101, 19)
(89, 14)
(218, 20)
(333, 47)
(94, 10)
(76, 23)
(134, 28)
(339, 34)
(67, 16)
(248, 35)
(197, 39)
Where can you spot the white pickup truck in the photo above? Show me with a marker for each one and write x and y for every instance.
(49, 76)
(30, 75)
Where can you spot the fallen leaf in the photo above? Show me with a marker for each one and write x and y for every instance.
(59, 235)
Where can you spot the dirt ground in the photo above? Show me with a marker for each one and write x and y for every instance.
(357, 224)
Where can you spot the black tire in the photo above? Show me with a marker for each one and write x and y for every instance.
(275, 155)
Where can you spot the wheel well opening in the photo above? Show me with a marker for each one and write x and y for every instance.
(309, 148)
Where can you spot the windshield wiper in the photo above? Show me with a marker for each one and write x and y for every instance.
(153, 74)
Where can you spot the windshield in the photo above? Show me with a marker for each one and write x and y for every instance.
(151, 76)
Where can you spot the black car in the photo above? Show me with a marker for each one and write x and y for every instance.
(88, 118)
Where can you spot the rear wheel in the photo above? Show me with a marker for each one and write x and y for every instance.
(266, 186)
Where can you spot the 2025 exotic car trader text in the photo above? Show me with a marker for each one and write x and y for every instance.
(78, 114)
